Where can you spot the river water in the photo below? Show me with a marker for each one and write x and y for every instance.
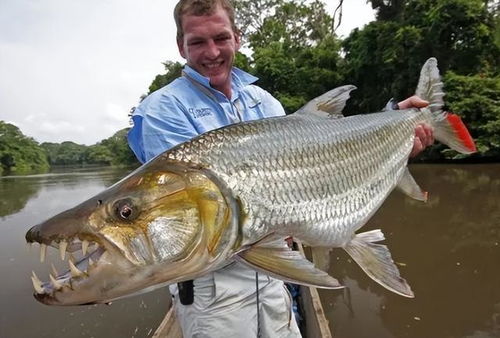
(447, 249)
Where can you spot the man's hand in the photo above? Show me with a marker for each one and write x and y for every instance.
(423, 132)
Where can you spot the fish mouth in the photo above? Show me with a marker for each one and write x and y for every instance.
(78, 271)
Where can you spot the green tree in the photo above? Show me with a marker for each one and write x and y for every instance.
(173, 71)
(98, 154)
(295, 55)
(66, 153)
(117, 146)
(20, 154)
(384, 58)
(477, 100)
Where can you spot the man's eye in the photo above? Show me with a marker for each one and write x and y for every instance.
(222, 38)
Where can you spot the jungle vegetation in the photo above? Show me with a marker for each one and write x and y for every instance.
(297, 56)
(294, 51)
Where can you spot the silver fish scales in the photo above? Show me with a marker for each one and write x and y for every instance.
(313, 178)
(228, 194)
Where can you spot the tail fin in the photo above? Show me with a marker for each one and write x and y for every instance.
(448, 128)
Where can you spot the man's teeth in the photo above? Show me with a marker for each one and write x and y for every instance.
(213, 65)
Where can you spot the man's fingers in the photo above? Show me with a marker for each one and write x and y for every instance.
(429, 134)
(413, 102)
(424, 137)
(417, 147)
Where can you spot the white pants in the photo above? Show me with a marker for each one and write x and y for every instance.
(225, 305)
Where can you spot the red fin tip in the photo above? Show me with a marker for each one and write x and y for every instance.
(461, 130)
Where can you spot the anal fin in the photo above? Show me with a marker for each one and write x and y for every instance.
(287, 265)
(376, 261)
(410, 188)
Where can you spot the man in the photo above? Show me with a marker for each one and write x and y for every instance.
(211, 94)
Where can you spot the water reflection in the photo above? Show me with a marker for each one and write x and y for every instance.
(449, 252)
(20, 314)
(18, 192)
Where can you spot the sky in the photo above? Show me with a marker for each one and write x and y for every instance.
(72, 70)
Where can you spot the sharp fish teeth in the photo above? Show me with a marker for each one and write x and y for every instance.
(37, 284)
(43, 252)
(74, 270)
(85, 246)
(62, 249)
(55, 282)
(54, 270)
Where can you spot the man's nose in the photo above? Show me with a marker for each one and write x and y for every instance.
(212, 49)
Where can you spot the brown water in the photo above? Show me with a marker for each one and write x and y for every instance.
(448, 251)
(25, 201)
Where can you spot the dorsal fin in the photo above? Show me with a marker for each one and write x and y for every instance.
(330, 104)
(430, 86)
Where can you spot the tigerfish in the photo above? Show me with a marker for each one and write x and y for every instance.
(228, 194)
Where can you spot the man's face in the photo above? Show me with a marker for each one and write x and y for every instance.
(209, 45)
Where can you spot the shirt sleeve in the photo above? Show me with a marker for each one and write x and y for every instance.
(160, 123)
(271, 106)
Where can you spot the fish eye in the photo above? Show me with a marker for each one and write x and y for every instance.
(125, 210)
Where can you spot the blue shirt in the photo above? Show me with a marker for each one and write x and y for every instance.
(189, 106)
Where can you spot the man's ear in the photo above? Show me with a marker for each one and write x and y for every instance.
(237, 39)
(180, 46)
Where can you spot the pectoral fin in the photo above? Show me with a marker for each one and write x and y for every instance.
(410, 188)
(287, 265)
(376, 261)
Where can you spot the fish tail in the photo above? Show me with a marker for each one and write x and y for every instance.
(448, 127)
(376, 261)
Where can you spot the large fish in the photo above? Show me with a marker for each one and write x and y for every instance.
(228, 194)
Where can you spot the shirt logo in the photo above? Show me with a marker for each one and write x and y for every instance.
(200, 112)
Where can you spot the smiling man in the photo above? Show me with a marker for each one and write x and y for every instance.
(212, 94)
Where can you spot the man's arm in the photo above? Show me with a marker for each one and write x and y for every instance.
(424, 134)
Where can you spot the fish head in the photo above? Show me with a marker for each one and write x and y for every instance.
(163, 223)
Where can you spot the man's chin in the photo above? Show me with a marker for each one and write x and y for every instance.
(218, 80)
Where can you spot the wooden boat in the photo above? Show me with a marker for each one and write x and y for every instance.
(315, 324)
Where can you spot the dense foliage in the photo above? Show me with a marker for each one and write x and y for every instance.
(19, 154)
(292, 47)
(384, 58)
(295, 54)
(477, 100)
(111, 151)
(297, 57)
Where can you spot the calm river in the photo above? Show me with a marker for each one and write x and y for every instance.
(447, 249)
